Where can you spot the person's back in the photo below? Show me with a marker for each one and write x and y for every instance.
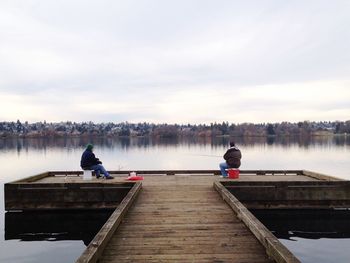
(233, 157)
(88, 159)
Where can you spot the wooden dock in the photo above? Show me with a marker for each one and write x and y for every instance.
(182, 219)
(181, 216)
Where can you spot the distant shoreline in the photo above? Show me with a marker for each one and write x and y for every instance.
(87, 129)
(14, 136)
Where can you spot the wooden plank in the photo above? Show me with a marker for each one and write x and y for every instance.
(98, 244)
(238, 234)
(183, 220)
(178, 218)
(274, 248)
(150, 172)
(182, 248)
(192, 172)
(272, 172)
(282, 183)
(121, 242)
(320, 176)
(258, 173)
(24, 196)
(280, 194)
(30, 179)
(203, 257)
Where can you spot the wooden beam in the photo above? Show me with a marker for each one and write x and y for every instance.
(51, 196)
(168, 172)
(32, 178)
(274, 248)
(94, 250)
(320, 176)
(291, 194)
(272, 172)
(192, 172)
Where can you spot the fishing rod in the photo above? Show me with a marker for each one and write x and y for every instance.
(207, 155)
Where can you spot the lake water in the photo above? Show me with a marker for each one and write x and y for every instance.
(24, 157)
(312, 235)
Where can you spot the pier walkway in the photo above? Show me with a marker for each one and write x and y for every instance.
(182, 218)
(181, 215)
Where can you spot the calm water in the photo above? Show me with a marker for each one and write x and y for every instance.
(36, 242)
(312, 236)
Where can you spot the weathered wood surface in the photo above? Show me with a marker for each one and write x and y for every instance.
(33, 178)
(182, 219)
(193, 172)
(67, 195)
(73, 178)
(179, 217)
(245, 175)
(296, 194)
(274, 248)
(186, 172)
(67, 189)
(94, 250)
(320, 176)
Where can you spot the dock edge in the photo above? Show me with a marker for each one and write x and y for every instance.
(274, 248)
(95, 249)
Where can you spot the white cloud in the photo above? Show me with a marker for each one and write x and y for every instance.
(183, 61)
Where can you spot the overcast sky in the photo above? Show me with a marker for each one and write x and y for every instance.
(174, 61)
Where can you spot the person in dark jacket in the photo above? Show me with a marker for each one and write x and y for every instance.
(90, 162)
(233, 159)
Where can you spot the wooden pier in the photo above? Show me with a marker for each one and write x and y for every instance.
(186, 216)
(182, 219)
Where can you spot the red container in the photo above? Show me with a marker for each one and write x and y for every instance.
(233, 173)
(135, 178)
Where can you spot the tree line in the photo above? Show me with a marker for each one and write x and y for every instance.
(126, 129)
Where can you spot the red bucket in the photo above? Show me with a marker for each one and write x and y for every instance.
(233, 173)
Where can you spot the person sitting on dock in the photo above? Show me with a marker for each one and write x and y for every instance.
(90, 162)
(233, 159)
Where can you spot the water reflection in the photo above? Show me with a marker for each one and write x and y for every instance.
(321, 236)
(27, 157)
(309, 224)
(21, 144)
(54, 226)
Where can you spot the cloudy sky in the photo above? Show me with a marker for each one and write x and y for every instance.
(174, 61)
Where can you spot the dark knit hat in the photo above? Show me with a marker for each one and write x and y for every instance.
(232, 143)
(89, 146)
